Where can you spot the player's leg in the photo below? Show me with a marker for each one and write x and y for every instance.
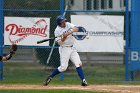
(49, 78)
(60, 69)
(77, 62)
(64, 59)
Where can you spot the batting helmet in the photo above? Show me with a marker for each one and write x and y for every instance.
(60, 18)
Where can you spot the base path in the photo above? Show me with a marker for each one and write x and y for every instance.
(100, 88)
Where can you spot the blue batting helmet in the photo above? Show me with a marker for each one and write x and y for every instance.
(60, 18)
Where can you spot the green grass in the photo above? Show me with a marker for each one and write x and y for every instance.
(47, 91)
(33, 73)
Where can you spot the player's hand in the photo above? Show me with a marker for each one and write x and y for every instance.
(75, 29)
(64, 36)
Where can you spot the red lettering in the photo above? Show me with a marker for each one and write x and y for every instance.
(13, 28)
(20, 30)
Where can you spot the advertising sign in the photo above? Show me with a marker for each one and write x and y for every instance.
(26, 30)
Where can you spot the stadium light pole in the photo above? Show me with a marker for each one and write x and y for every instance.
(1, 38)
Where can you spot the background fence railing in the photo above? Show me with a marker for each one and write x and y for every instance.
(53, 8)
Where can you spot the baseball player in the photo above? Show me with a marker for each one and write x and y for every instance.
(6, 57)
(65, 39)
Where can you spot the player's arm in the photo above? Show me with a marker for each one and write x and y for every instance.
(6, 57)
(64, 36)
(73, 29)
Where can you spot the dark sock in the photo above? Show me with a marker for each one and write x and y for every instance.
(55, 72)
(80, 73)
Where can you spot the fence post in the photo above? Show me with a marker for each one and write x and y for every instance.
(62, 7)
(127, 40)
(1, 38)
(61, 13)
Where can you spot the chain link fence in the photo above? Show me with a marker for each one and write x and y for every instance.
(33, 8)
(51, 8)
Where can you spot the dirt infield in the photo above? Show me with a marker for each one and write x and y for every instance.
(100, 88)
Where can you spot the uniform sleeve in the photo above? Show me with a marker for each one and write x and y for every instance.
(56, 35)
(71, 25)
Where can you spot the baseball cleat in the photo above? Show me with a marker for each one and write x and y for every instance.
(47, 81)
(84, 83)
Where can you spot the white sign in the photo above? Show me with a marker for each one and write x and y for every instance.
(26, 30)
(104, 33)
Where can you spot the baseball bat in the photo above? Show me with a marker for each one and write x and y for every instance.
(45, 40)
